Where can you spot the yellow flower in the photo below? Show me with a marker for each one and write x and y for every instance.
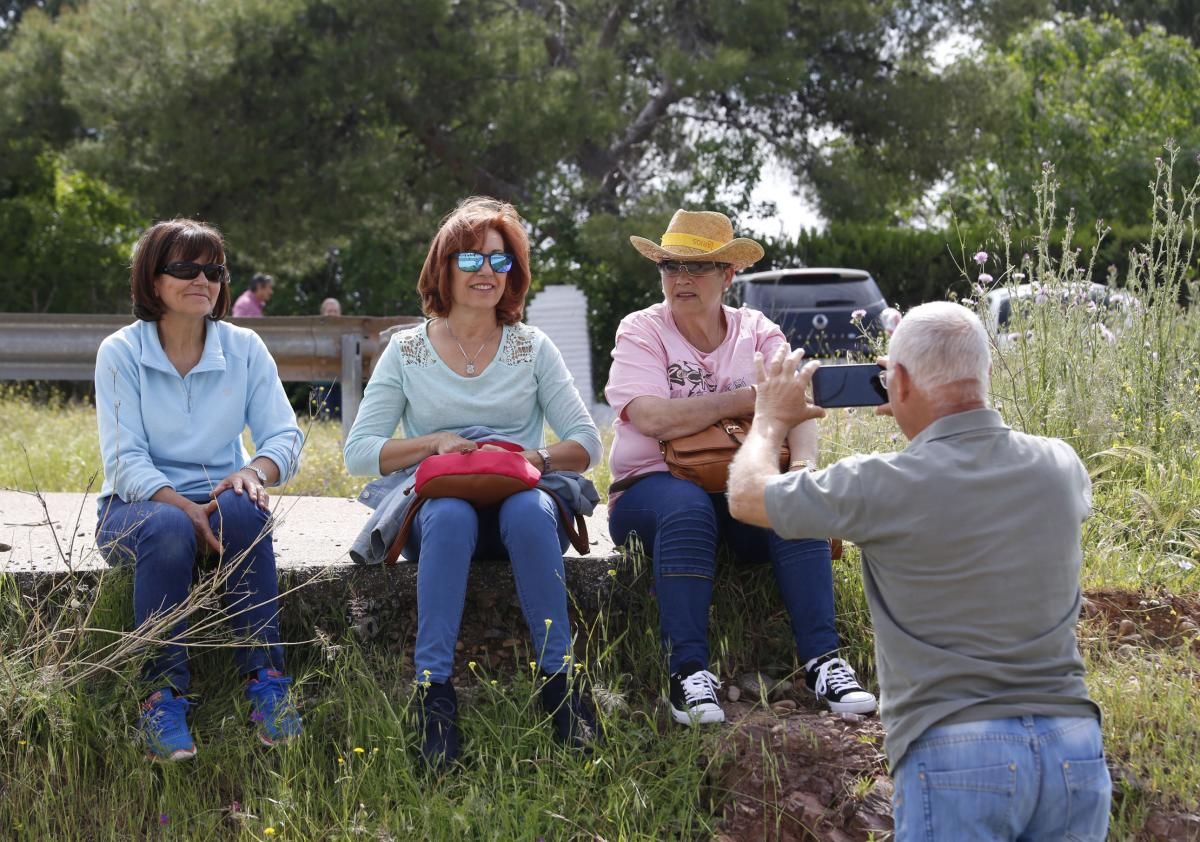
(612, 572)
(494, 682)
(341, 761)
(548, 622)
(359, 750)
(269, 831)
(566, 659)
(472, 665)
(426, 673)
(533, 665)
(375, 750)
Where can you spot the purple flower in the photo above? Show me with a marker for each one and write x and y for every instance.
(858, 315)
(1018, 276)
(163, 818)
(985, 278)
(981, 257)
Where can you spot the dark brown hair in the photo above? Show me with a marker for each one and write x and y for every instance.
(166, 242)
(463, 230)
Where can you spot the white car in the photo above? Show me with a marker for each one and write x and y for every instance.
(1095, 297)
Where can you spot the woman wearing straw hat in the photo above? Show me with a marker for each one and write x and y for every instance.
(678, 367)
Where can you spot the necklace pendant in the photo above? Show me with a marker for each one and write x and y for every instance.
(470, 368)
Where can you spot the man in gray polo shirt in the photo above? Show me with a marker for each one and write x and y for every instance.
(970, 541)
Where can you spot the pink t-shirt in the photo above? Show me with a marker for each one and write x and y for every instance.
(651, 357)
(247, 306)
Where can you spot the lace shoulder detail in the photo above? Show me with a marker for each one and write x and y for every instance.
(518, 345)
(414, 350)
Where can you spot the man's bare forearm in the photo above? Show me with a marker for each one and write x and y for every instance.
(756, 462)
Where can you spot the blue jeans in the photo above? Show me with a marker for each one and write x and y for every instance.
(679, 525)
(161, 543)
(1023, 778)
(447, 534)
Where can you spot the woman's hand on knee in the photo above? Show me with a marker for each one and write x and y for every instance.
(243, 482)
(198, 514)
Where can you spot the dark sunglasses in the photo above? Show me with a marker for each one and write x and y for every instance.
(185, 270)
(695, 268)
(472, 261)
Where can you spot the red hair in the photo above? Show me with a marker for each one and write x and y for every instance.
(463, 230)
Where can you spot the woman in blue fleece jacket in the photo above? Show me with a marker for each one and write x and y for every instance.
(174, 391)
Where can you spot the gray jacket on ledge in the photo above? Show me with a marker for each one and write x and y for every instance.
(390, 499)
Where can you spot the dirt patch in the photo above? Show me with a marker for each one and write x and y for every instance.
(793, 773)
(1153, 620)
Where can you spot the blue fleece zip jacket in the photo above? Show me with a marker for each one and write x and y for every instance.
(158, 429)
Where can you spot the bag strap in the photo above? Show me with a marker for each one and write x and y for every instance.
(577, 531)
(576, 527)
(410, 514)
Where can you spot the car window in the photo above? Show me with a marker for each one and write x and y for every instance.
(807, 294)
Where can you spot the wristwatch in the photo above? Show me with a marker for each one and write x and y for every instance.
(259, 472)
(545, 454)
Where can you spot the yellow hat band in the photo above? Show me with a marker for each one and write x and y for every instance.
(690, 240)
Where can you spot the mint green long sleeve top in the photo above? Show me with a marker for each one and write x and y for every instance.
(525, 387)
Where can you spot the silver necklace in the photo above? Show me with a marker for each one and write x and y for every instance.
(470, 360)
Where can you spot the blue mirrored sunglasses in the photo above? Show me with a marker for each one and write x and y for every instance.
(472, 261)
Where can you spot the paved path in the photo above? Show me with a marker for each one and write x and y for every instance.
(312, 532)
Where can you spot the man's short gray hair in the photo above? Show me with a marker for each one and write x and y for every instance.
(942, 342)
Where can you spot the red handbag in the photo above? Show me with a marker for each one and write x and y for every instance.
(482, 478)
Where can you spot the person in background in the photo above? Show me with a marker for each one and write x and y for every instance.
(678, 367)
(250, 304)
(970, 541)
(325, 399)
(174, 391)
(474, 363)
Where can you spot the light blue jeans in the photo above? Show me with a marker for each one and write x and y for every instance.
(1026, 778)
(448, 533)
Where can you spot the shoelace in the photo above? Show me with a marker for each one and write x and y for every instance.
(701, 685)
(836, 675)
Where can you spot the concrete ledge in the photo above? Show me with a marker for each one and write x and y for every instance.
(48, 539)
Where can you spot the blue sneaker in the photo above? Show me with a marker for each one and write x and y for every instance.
(272, 710)
(163, 723)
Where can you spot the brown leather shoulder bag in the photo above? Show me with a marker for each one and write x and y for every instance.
(703, 457)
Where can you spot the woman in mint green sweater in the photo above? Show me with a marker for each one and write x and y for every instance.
(475, 363)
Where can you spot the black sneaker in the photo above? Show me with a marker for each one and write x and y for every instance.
(437, 716)
(572, 715)
(694, 696)
(833, 681)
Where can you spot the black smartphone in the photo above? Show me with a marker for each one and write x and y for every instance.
(848, 385)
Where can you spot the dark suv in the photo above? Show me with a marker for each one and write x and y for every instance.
(816, 307)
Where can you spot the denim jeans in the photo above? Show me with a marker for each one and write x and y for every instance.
(447, 534)
(679, 525)
(1022, 778)
(161, 543)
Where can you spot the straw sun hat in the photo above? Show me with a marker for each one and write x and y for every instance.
(700, 235)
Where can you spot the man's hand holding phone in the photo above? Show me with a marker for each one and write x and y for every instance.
(884, 408)
(783, 391)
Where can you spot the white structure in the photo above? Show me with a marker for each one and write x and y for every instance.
(561, 313)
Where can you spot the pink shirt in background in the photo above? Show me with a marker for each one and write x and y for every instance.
(247, 306)
(651, 357)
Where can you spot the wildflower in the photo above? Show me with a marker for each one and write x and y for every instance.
(22, 742)
(981, 257)
(341, 761)
(375, 750)
(548, 622)
(472, 665)
(985, 278)
(494, 682)
(359, 750)
(566, 659)
(978, 288)
(1018, 276)
(1106, 334)
(533, 665)
(163, 818)
(612, 572)
(858, 315)
(269, 831)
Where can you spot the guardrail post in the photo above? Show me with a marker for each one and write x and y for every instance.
(352, 381)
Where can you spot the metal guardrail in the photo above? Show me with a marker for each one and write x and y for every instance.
(63, 346)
